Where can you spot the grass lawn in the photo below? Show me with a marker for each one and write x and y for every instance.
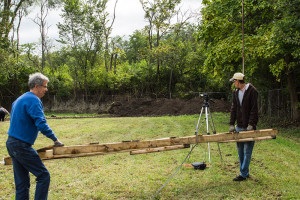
(275, 166)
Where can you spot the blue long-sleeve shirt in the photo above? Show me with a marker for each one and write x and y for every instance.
(27, 119)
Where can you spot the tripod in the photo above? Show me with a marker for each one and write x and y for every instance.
(210, 123)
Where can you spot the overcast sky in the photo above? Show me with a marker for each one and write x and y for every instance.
(129, 17)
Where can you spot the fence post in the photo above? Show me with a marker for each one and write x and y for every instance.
(269, 104)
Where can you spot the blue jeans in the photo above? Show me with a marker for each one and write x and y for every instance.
(245, 153)
(26, 159)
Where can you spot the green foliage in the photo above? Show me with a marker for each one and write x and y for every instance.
(4, 64)
(165, 60)
(271, 33)
(137, 47)
(61, 83)
(285, 37)
(82, 32)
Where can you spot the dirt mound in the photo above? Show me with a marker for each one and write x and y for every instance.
(159, 107)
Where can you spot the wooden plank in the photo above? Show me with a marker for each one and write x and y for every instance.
(45, 148)
(157, 145)
(251, 139)
(80, 155)
(48, 154)
(7, 160)
(159, 149)
(135, 145)
(43, 153)
(167, 148)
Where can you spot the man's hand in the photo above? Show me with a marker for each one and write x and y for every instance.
(231, 129)
(249, 128)
(57, 143)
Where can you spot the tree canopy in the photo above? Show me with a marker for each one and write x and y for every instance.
(163, 59)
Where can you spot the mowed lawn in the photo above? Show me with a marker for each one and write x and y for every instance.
(275, 166)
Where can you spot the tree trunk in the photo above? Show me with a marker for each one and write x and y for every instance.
(170, 81)
(158, 60)
(18, 36)
(150, 44)
(9, 16)
(111, 61)
(115, 63)
(293, 96)
(106, 53)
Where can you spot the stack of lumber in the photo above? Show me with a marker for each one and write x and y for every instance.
(148, 146)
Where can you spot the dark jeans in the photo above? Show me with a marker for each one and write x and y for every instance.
(26, 159)
(245, 152)
(2, 115)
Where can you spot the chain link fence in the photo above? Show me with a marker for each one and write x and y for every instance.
(279, 105)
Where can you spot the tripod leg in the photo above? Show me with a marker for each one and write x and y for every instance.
(209, 152)
(207, 120)
(197, 126)
(214, 132)
(220, 151)
(207, 129)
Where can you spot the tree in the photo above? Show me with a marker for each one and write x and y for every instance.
(107, 31)
(117, 51)
(137, 46)
(268, 24)
(11, 70)
(158, 13)
(284, 40)
(9, 10)
(82, 31)
(40, 20)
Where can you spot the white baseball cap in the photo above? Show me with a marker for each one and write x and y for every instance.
(237, 76)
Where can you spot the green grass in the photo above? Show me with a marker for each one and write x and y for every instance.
(275, 168)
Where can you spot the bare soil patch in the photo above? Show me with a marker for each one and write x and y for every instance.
(163, 106)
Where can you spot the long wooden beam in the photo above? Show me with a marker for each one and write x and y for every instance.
(43, 153)
(135, 146)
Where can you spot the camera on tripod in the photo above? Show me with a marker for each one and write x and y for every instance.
(206, 97)
(209, 122)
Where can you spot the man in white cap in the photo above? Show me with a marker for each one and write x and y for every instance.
(244, 111)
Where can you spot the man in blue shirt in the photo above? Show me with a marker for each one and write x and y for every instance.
(27, 119)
